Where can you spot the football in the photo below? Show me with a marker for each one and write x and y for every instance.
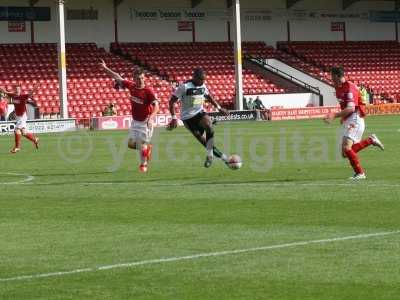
(235, 162)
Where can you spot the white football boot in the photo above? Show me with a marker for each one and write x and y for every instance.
(361, 176)
(376, 142)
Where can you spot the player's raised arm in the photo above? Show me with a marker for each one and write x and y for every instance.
(113, 74)
(7, 93)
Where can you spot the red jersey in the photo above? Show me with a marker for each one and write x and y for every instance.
(142, 101)
(19, 103)
(3, 107)
(349, 96)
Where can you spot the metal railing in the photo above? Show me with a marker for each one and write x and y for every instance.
(263, 63)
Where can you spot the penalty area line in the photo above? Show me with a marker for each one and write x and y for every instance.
(28, 178)
(198, 256)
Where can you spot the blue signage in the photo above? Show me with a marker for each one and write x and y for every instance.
(389, 16)
(15, 13)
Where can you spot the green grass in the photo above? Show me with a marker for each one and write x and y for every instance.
(88, 206)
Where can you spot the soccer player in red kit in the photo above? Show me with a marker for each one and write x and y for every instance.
(3, 107)
(20, 100)
(352, 117)
(144, 109)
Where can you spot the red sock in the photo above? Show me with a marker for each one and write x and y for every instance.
(361, 145)
(354, 161)
(144, 153)
(30, 137)
(17, 137)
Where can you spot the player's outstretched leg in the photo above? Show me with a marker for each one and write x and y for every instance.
(17, 139)
(215, 151)
(32, 138)
(371, 140)
(208, 142)
(209, 146)
(376, 142)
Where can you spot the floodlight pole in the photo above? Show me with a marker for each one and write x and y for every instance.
(62, 70)
(238, 58)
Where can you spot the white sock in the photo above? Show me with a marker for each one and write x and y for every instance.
(210, 147)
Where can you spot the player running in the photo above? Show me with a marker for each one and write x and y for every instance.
(352, 117)
(193, 94)
(3, 107)
(144, 108)
(20, 100)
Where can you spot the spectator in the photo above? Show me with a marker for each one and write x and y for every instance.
(364, 94)
(371, 96)
(245, 104)
(3, 107)
(258, 103)
(110, 110)
(250, 104)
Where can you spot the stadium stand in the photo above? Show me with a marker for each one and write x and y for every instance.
(375, 63)
(89, 88)
(175, 62)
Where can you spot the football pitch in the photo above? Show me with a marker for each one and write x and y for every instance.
(78, 220)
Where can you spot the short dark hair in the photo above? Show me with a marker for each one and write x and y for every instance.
(138, 72)
(198, 73)
(338, 71)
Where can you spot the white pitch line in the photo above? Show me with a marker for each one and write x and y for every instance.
(28, 178)
(265, 184)
(196, 256)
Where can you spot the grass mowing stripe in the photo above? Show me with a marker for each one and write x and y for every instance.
(199, 255)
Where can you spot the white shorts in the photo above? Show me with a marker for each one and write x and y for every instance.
(353, 128)
(21, 121)
(140, 132)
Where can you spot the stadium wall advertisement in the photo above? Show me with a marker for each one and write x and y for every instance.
(40, 126)
(237, 115)
(124, 122)
(276, 114)
(383, 109)
(162, 120)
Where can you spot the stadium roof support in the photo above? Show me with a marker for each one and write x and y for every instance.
(62, 70)
(238, 57)
(348, 3)
(116, 4)
(32, 3)
(196, 2)
(290, 3)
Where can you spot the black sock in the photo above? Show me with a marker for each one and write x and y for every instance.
(217, 153)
